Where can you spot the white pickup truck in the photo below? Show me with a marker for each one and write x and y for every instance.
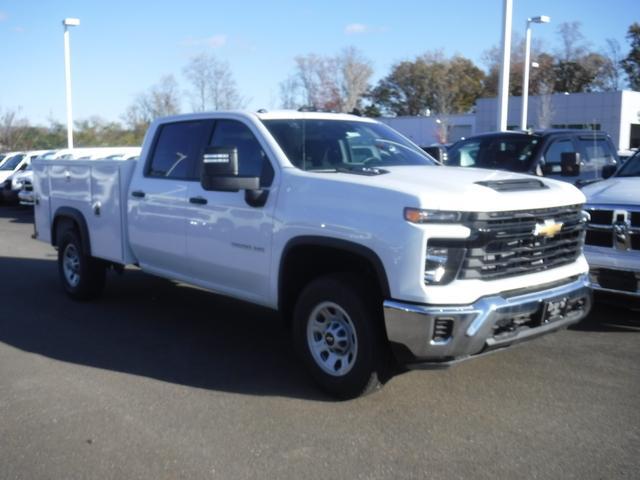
(361, 240)
(613, 233)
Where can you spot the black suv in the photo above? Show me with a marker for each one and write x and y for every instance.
(579, 156)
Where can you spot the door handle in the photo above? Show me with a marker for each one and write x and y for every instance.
(137, 194)
(198, 200)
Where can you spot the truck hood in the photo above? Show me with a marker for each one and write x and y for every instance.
(455, 188)
(616, 190)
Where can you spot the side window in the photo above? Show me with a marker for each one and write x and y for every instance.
(597, 150)
(555, 151)
(177, 149)
(465, 155)
(252, 160)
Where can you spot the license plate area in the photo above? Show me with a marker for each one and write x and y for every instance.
(561, 308)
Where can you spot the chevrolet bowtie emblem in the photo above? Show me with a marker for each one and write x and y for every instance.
(547, 229)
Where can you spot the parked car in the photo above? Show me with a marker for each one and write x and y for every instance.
(578, 156)
(12, 184)
(362, 255)
(613, 232)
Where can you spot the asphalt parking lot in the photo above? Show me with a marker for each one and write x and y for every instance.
(162, 381)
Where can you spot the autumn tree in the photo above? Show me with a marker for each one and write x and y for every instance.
(631, 63)
(430, 82)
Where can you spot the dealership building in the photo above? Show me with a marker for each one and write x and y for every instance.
(617, 113)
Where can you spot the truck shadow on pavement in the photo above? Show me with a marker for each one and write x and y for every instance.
(611, 314)
(16, 213)
(153, 328)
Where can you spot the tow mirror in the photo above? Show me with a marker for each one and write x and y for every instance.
(609, 170)
(220, 171)
(570, 164)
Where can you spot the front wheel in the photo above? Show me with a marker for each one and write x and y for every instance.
(337, 332)
(82, 276)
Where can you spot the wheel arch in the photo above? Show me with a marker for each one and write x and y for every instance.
(307, 257)
(74, 216)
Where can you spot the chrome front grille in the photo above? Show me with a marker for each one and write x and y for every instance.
(614, 226)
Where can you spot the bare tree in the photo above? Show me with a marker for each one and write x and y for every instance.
(213, 85)
(355, 72)
(12, 129)
(613, 73)
(330, 82)
(161, 100)
(290, 93)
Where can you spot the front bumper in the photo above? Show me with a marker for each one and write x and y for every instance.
(423, 334)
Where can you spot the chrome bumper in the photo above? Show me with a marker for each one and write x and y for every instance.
(417, 334)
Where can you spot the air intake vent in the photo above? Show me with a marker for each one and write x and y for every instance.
(514, 185)
(442, 329)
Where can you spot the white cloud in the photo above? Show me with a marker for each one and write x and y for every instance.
(3, 16)
(18, 29)
(215, 41)
(355, 29)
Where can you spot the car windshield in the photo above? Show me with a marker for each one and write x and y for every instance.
(503, 152)
(336, 145)
(631, 167)
(12, 162)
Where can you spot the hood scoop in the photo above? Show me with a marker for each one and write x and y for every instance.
(517, 185)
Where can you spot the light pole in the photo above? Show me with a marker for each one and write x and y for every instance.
(68, 22)
(503, 85)
(527, 61)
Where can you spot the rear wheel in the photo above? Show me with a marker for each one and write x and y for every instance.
(82, 276)
(337, 332)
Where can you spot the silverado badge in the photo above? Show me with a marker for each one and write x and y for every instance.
(548, 229)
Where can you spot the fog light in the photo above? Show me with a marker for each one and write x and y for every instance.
(442, 264)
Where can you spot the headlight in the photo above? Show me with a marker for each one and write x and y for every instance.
(16, 184)
(442, 264)
(418, 215)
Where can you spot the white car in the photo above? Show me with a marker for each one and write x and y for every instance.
(11, 174)
(613, 234)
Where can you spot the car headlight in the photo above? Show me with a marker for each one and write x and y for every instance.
(16, 184)
(442, 264)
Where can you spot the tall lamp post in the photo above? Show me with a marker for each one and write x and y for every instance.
(68, 22)
(527, 64)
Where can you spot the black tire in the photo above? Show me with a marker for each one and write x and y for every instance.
(89, 279)
(359, 371)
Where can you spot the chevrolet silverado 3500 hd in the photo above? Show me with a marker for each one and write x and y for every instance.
(362, 242)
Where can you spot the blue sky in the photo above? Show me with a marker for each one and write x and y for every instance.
(123, 47)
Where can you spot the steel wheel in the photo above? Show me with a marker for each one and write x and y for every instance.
(332, 339)
(71, 265)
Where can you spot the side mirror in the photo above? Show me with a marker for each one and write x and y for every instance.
(609, 170)
(570, 164)
(23, 167)
(220, 171)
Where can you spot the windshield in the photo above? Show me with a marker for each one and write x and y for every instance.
(332, 145)
(631, 167)
(12, 162)
(504, 152)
